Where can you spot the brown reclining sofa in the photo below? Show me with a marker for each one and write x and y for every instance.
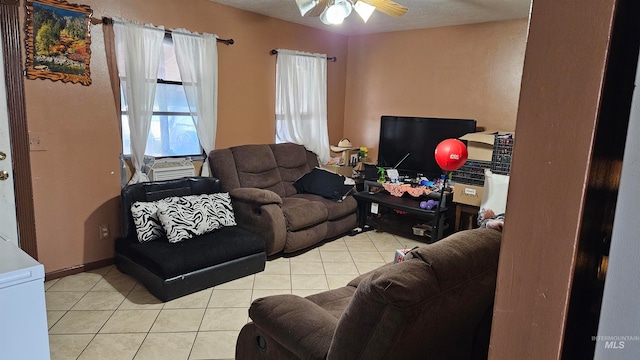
(260, 180)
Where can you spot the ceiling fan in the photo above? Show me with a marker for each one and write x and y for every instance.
(333, 12)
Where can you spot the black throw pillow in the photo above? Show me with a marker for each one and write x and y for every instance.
(323, 183)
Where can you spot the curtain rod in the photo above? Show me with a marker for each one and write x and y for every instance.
(332, 59)
(107, 20)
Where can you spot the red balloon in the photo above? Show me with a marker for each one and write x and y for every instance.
(451, 154)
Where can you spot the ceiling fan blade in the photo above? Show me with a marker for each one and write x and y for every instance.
(319, 9)
(388, 7)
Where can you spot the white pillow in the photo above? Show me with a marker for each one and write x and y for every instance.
(494, 194)
(145, 218)
(188, 216)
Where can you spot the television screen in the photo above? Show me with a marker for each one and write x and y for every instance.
(418, 137)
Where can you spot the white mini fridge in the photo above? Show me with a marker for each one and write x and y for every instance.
(23, 314)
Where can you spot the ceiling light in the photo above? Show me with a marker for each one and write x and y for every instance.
(323, 18)
(364, 10)
(306, 5)
(333, 12)
(336, 12)
(345, 6)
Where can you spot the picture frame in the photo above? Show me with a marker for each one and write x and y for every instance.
(58, 40)
(353, 159)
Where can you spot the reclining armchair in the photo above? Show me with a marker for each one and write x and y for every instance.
(436, 304)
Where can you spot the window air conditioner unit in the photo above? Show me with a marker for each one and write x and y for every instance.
(170, 168)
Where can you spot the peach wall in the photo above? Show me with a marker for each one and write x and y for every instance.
(76, 180)
(470, 71)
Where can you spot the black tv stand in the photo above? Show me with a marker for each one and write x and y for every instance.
(409, 204)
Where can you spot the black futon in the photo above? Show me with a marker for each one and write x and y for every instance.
(170, 270)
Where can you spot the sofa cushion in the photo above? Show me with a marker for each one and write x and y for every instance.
(168, 260)
(188, 216)
(301, 213)
(257, 168)
(145, 217)
(293, 162)
(335, 210)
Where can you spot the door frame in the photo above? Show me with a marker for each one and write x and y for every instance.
(18, 130)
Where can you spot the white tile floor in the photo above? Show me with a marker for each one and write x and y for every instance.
(104, 314)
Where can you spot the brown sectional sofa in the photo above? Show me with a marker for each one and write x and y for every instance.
(260, 180)
(437, 304)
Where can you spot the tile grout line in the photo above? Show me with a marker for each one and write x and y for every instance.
(209, 301)
(151, 326)
(95, 335)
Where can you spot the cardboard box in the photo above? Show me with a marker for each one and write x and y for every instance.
(345, 156)
(400, 254)
(422, 230)
(480, 144)
(467, 194)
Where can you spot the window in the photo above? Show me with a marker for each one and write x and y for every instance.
(301, 101)
(297, 102)
(172, 131)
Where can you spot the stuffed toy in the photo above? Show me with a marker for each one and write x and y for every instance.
(488, 219)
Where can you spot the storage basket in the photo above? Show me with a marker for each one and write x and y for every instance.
(502, 150)
(471, 173)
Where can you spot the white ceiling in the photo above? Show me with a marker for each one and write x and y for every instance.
(422, 14)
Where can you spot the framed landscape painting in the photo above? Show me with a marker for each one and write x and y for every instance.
(58, 41)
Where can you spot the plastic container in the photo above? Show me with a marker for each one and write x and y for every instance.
(502, 151)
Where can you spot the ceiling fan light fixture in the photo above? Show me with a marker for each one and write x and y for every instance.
(323, 18)
(330, 18)
(364, 10)
(335, 13)
(345, 5)
(306, 5)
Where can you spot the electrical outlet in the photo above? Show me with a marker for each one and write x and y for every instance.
(104, 231)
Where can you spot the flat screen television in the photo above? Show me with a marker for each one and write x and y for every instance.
(418, 137)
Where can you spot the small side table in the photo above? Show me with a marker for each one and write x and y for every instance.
(467, 213)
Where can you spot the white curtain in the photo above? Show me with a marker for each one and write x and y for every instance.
(197, 58)
(301, 101)
(138, 52)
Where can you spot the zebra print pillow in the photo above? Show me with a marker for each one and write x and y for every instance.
(145, 218)
(188, 216)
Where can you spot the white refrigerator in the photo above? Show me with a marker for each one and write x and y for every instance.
(23, 314)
